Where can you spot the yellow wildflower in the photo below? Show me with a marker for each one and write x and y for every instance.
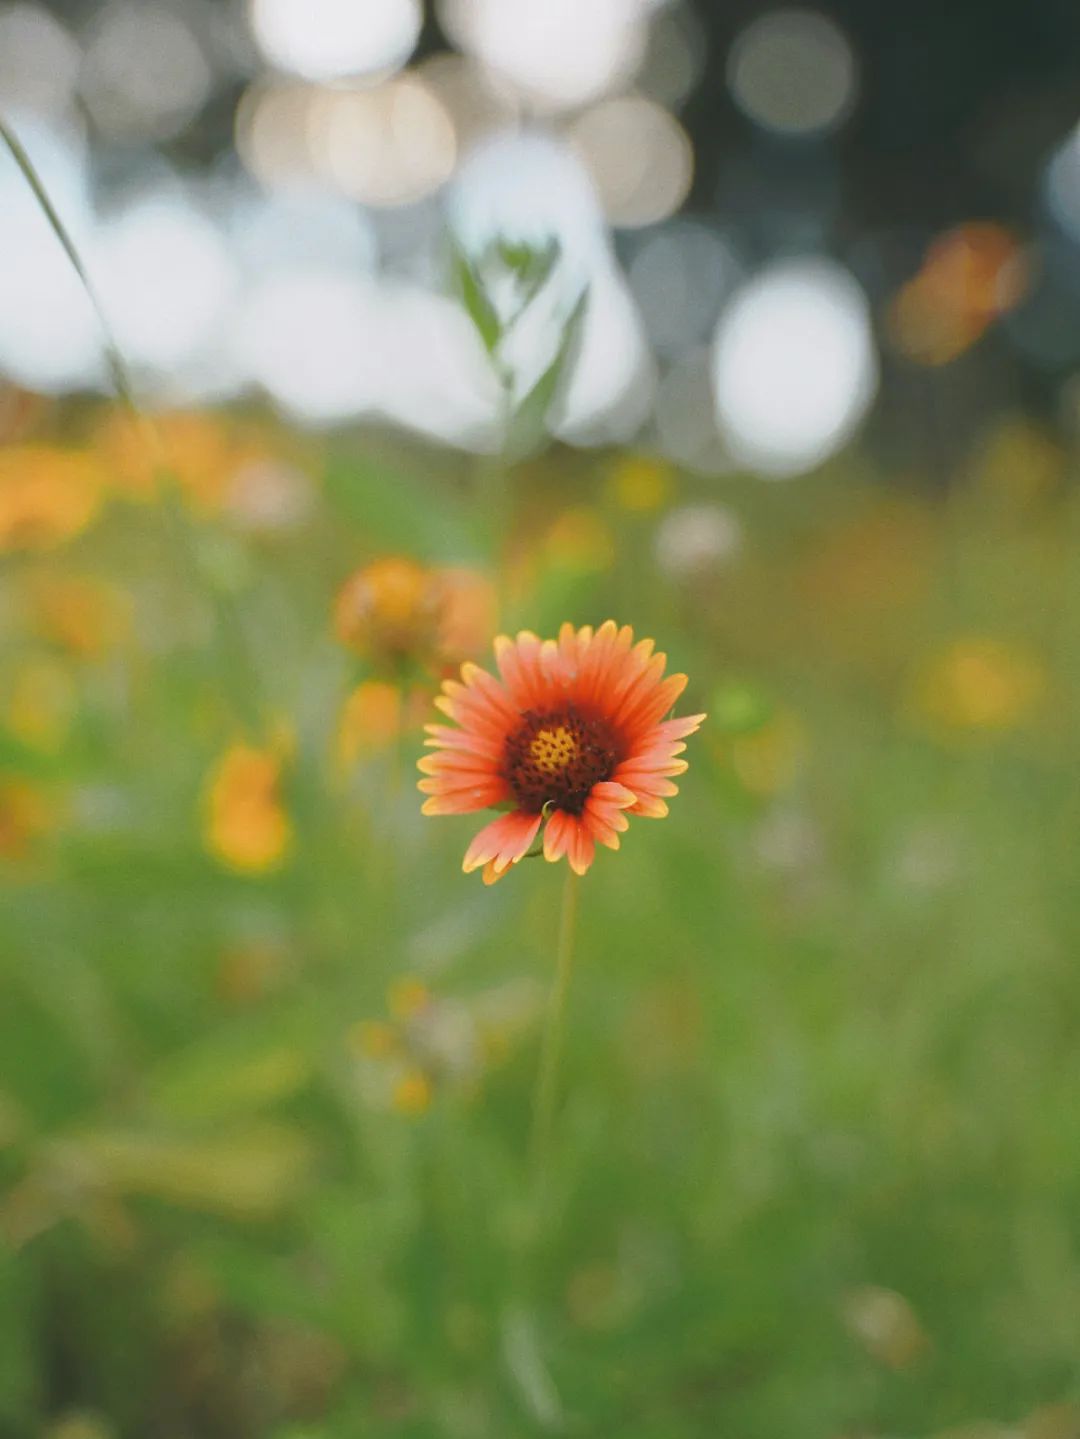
(201, 452)
(979, 685)
(40, 705)
(640, 483)
(78, 613)
(247, 828)
(47, 496)
(24, 814)
(412, 1093)
(370, 720)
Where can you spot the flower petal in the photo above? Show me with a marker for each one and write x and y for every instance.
(504, 841)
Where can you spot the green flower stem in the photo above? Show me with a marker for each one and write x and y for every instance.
(551, 1048)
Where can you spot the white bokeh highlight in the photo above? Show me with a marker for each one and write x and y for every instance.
(331, 39)
(794, 366)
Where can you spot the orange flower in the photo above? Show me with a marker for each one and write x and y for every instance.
(971, 276)
(573, 733)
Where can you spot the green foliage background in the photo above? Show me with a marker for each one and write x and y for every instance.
(822, 1039)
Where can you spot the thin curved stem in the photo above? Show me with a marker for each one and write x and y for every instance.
(118, 370)
(551, 1049)
(237, 663)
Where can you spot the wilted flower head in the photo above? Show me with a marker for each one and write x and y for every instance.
(572, 734)
(396, 611)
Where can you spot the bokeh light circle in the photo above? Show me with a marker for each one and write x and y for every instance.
(679, 277)
(391, 145)
(794, 72)
(166, 278)
(794, 367)
(330, 39)
(557, 54)
(639, 157)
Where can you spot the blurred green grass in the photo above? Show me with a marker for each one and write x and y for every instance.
(816, 1167)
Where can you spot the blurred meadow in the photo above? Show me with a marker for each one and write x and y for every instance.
(442, 324)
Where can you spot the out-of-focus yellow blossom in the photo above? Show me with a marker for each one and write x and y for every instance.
(1020, 463)
(41, 704)
(970, 276)
(581, 539)
(979, 686)
(768, 760)
(24, 814)
(375, 715)
(370, 720)
(47, 496)
(885, 1324)
(247, 827)
(640, 483)
(412, 1093)
(203, 453)
(78, 613)
(396, 610)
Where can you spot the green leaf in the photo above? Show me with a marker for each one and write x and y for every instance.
(246, 1174)
(528, 425)
(474, 297)
(230, 1077)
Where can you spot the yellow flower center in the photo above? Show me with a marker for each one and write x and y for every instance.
(553, 750)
